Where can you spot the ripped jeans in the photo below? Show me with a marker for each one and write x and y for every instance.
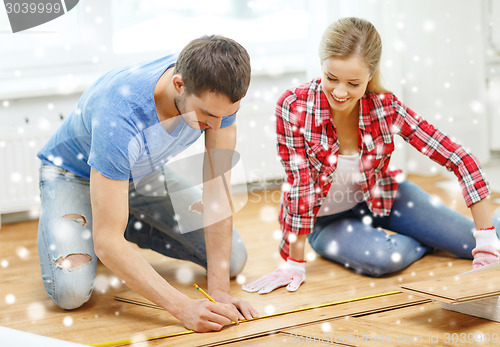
(65, 229)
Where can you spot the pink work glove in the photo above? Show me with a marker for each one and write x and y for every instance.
(291, 274)
(487, 249)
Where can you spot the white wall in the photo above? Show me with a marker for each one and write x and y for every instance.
(444, 70)
(492, 29)
(434, 61)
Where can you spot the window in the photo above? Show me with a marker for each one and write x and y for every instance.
(69, 52)
(64, 40)
(272, 31)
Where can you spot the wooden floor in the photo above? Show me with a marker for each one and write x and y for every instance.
(391, 319)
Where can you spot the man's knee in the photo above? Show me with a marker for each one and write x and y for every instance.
(72, 289)
(72, 298)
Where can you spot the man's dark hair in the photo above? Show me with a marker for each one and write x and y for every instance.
(215, 64)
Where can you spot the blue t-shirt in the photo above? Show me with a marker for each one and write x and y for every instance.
(115, 128)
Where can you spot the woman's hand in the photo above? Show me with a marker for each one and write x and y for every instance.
(487, 249)
(291, 274)
(484, 256)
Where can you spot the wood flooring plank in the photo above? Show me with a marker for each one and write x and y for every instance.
(266, 326)
(424, 325)
(469, 286)
(441, 323)
(353, 331)
(273, 340)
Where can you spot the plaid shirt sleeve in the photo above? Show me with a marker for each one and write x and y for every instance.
(443, 150)
(296, 215)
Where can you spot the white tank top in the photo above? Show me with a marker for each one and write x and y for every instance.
(345, 191)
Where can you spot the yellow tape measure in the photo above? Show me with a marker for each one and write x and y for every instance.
(144, 339)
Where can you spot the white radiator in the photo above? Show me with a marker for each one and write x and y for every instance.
(19, 168)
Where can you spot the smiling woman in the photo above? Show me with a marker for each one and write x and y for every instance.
(341, 128)
(344, 82)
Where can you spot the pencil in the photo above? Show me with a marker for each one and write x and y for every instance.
(203, 292)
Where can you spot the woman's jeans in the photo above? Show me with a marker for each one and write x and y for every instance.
(422, 223)
(65, 228)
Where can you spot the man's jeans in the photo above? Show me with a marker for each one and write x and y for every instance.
(153, 224)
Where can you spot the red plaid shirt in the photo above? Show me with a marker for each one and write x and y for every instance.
(308, 148)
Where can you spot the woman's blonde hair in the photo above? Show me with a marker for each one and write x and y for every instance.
(350, 36)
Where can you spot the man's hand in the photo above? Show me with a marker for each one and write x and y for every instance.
(245, 310)
(202, 315)
(292, 274)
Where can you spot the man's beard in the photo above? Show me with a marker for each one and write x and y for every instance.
(188, 117)
(177, 101)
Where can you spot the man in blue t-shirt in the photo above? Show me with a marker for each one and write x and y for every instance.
(104, 181)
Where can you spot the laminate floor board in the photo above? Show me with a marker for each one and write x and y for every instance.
(266, 326)
(278, 339)
(352, 331)
(431, 317)
(458, 288)
(423, 325)
(340, 283)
